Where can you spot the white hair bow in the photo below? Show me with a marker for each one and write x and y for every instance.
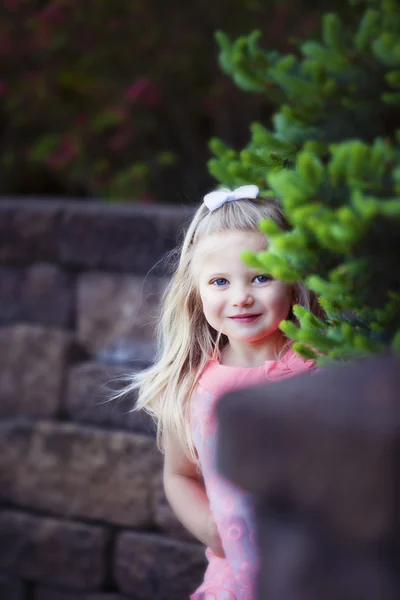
(216, 199)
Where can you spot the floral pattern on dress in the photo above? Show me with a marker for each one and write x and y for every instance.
(233, 577)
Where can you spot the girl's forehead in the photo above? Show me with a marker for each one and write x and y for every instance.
(231, 242)
(218, 249)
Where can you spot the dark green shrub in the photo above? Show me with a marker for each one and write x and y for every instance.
(118, 99)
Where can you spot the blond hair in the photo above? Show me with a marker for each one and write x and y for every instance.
(186, 342)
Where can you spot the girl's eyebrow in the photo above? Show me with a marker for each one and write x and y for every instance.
(217, 274)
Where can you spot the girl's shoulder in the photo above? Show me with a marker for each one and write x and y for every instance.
(218, 379)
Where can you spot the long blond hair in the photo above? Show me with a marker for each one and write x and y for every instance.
(186, 342)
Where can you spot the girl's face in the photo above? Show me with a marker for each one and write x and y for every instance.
(239, 301)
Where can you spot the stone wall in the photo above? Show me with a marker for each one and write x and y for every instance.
(82, 510)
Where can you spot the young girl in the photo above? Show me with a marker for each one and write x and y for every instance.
(219, 330)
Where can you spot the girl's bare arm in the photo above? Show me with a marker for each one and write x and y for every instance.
(188, 499)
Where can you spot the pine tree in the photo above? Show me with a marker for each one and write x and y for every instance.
(332, 157)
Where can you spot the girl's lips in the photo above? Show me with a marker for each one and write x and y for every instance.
(245, 318)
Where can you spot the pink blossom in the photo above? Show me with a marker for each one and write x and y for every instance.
(67, 147)
(145, 90)
(136, 89)
(63, 154)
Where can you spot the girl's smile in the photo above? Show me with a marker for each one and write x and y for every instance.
(245, 318)
(245, 305)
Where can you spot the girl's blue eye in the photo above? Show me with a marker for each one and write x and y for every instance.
(262, 278)
(220, 281)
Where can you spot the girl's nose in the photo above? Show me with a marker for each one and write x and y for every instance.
(242, 297)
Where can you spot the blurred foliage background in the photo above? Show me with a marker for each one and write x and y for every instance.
(117, 99)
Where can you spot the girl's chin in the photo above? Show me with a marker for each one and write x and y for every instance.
(258, 338)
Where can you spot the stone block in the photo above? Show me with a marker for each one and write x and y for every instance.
(41, 294)
(130, 238)
(33, 360)
(134, 353)
(117, 307)
(89, 398)
(52, 551)
(12, 589)
(28, 231)
(80, 472)
(149, 566)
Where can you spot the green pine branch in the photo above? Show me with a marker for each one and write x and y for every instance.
(332, 156)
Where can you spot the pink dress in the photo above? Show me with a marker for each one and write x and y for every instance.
(231, 578)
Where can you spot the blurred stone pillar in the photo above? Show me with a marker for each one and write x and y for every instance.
(321, 455)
